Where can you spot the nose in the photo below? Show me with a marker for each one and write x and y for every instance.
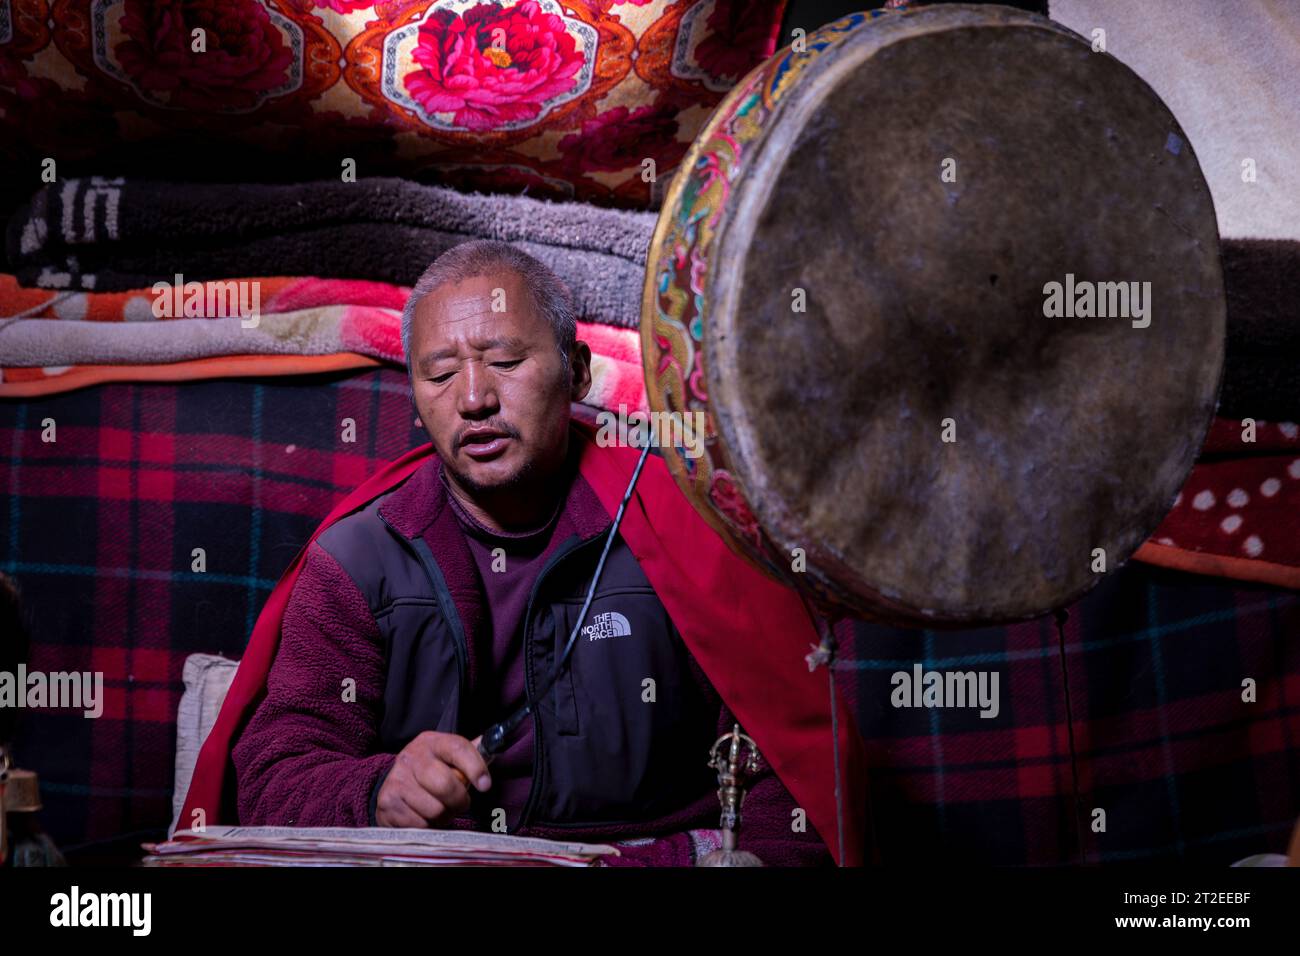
(476, 396)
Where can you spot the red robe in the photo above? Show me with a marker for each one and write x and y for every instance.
(747, 631)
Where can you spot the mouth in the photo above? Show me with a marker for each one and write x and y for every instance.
(483, 444)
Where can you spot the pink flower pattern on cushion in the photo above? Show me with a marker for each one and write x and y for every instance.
(487, 85)
(493, 86)
(245, 54)
(344, 6)
(619, 138)
(78, 128)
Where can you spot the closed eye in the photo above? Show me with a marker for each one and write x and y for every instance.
(507, 364)
(439, 379)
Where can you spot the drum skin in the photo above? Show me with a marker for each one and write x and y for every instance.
(851, 280)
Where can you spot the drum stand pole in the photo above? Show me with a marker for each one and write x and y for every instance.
(824, 653)
(1062, 616)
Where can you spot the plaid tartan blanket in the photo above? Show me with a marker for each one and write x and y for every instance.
(101, 526)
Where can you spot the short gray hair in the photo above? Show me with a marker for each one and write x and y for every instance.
(482, 257)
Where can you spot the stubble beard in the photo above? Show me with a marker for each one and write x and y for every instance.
(480, 491)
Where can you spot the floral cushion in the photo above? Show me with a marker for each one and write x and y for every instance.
(564, 100)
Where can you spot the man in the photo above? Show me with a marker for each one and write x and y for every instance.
(420, 620)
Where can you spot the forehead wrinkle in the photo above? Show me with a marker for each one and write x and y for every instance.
(452, 306)
(459, 308)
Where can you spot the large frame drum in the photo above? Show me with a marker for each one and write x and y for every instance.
(946, 288)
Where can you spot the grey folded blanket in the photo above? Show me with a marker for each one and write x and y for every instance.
(114, 235)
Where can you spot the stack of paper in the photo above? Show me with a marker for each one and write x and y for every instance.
(364, 846)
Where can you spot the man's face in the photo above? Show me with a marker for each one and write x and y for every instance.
(490, 385)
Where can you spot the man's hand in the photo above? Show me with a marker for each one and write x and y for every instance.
(423, 789)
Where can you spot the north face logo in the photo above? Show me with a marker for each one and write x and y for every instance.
(609, 624)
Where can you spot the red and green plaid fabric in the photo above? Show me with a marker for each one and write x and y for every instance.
(1183, 767)
(99, 529)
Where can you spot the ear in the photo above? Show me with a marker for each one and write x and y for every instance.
(410, 394)
(580, 371)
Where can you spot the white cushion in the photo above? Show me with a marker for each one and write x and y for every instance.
(207, 678)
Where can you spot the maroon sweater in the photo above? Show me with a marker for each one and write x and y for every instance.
(506, 586)
(309, 758)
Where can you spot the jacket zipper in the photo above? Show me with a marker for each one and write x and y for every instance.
(569, 547)
(449, 612)
(452, 616)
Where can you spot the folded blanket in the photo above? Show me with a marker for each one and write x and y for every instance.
(70, 339)
(114, 234)
(1238, 514)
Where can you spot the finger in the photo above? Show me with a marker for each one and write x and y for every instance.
(409, 784)
(486, 780)
(464, 756)
(403, 816)
(423, 805)
(392, 810)
(424, 753)
(442, 782)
